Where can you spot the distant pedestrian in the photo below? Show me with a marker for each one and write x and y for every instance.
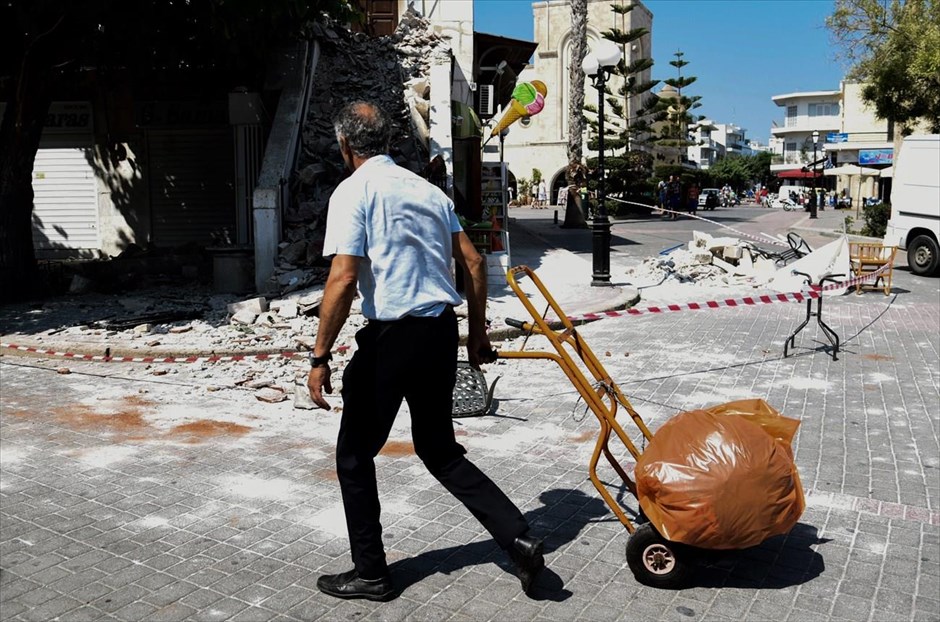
(395, 234)
(694, 193)
(543, 194)
(674, 196)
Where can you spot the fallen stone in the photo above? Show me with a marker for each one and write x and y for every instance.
(305, 342)
(143, 329)
(287, 310)
(63, 370)
(176, 330)
(302, 399)
(259, 383)
(266, 319)
(245, 317)
(152, 344)
(255, 305)
(270, 395)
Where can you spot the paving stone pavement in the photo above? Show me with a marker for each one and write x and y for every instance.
(104, 514)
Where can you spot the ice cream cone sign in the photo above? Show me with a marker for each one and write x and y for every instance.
(528, 99)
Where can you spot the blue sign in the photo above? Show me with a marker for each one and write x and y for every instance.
(834, 137)
(876, 156)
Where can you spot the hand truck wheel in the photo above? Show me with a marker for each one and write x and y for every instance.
(657, 562)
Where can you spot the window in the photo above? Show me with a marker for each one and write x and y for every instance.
(823, 110)
(791, 116)
(790, 148)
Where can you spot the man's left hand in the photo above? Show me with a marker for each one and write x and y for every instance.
(318, 381)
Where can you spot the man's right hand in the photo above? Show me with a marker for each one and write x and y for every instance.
(480, 351)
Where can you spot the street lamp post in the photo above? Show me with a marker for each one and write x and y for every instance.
(813, 198)
(598, 65)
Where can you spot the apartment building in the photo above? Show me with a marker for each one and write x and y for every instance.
(713, 141)
(857, 146)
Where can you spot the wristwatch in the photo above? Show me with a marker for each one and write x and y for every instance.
(320, 361)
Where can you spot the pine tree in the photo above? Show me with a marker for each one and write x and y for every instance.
(629, 114)
(675, 111)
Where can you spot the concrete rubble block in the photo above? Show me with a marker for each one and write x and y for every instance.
(421, 86)
(305, 342)
(732, 252)
(266, 319)
(270, 395)
(245, 317)
(143, 329)
(255, 305)
(259, 383)
(176, 330)
(712, 244)
(302, 399)
(288, 309)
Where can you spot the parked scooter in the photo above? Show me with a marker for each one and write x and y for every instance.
(786, 203)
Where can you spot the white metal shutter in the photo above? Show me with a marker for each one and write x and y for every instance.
(65, 203)
(192, 183)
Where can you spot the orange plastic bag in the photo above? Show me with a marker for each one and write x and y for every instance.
(722, 478)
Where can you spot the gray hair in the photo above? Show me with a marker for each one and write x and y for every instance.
(366, 128)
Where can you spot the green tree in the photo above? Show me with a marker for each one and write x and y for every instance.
(675, 113)
(894, 47)
(739, 171)
(628, 114)
(49, 47)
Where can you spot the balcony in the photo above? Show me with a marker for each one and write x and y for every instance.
(806, 124)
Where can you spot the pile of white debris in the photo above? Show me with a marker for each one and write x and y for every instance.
(707, 261)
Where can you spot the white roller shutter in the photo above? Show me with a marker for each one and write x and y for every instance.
(65, 203)
(192, 186)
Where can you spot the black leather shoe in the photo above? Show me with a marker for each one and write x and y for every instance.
(351, 585)
(526, 555)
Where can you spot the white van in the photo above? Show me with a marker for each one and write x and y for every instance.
(915, 203)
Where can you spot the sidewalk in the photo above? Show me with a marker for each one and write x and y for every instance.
(135, 492)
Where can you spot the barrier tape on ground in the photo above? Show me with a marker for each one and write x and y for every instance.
(105, 358)
(814, 291)
(760, 238)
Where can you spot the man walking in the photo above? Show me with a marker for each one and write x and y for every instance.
(394, 234)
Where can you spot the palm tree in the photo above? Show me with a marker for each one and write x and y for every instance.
(574, 216)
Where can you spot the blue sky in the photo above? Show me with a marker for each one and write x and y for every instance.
(742, 51)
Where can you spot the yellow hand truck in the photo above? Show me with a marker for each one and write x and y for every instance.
(654, 560)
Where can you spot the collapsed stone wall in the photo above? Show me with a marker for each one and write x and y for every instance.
(391, 71)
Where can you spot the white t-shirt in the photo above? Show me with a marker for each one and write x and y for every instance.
(402, 227)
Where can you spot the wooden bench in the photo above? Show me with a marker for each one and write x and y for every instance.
(866, 257)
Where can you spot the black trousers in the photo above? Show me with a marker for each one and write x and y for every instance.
(414, 359)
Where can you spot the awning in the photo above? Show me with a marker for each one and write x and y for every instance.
(797, 174)
(851, 169)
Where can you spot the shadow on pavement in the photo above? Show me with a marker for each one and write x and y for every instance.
(779, 562)
(562, 517)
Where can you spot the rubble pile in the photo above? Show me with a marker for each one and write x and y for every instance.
(707, 261)
(391, 71)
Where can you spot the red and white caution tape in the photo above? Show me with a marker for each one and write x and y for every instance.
(105, 358)
(812, 292)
